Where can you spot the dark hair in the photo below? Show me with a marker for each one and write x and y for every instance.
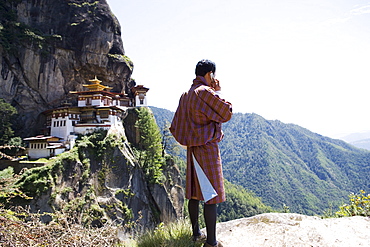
(204, 66)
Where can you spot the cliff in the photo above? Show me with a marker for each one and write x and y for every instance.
(100, 181)
(47, 49)
(51, 47)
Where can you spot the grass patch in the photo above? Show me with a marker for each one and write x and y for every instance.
(177, 234)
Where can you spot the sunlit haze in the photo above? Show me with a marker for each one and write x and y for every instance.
(301, 62)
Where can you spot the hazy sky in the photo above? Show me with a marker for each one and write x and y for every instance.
(297, 61)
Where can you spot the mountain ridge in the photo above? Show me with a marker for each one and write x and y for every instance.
(286, 164)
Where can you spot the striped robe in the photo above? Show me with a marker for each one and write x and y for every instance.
(197, 125)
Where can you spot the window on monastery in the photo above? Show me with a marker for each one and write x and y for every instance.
(88, 116)
(104, 114)
(141, 98)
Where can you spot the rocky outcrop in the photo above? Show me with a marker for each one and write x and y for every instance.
(293, 230)
(51, 47)
(47, 49)
(92, 189)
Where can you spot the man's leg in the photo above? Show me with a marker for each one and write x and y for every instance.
(193, 207)
(210, 217)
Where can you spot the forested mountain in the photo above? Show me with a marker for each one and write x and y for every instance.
(286, 164)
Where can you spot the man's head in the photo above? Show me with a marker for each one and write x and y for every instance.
(204, 66)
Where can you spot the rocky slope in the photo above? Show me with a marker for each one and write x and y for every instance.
(51, 47)
(101, 181)
(293, 230)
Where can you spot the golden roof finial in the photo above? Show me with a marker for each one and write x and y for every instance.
(96, 86)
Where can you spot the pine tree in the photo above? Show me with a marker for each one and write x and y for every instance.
(150, 145)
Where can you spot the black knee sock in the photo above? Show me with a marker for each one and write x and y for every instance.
(210, 217)
(193, 207)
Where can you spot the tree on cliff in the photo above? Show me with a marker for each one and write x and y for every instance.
(150, 145)
(7, 112)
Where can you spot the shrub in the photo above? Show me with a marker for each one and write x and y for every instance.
(359, 205)
(8, 190)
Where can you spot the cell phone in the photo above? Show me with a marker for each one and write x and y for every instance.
(212, 77)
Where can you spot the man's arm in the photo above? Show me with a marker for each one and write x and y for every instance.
(218, 110)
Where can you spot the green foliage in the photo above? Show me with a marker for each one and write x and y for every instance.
(123, 58)
(163, 118)
(7, 112)
(15, 34)
(6, 174)
(37, 180)
(98, 143)
(94, 142)
(359, 205)
(8, 190)
(174, 234)
(240, 203)
(84, 4)
(16, 141)
(287, 164)
(149, 150)
(286, 209)
(127, 193)
(14, 147)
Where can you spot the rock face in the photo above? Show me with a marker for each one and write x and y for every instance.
(112, 188)
(51, 47)
(293, 230)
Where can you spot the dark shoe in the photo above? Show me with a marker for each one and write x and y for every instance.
(200, 238)
(217, 245)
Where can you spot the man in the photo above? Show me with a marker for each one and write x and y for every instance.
(197, 125)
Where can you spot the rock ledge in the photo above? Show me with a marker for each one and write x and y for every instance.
(280, 229)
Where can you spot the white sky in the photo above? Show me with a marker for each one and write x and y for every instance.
(298, 61)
